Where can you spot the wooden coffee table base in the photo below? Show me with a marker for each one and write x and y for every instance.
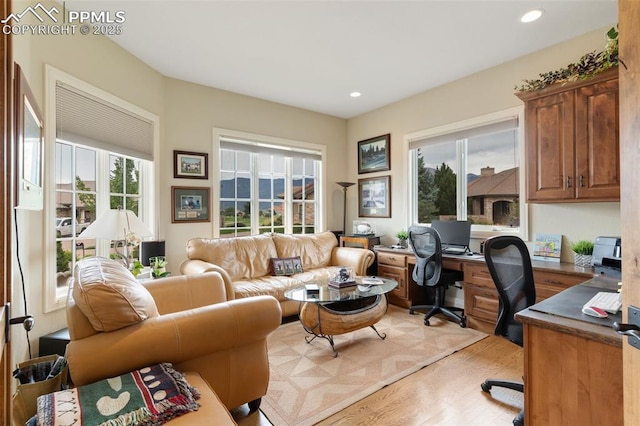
(326, 320)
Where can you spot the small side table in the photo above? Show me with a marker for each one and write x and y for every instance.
(366, 241)
(54, 343)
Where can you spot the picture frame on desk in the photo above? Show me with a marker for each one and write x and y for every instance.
(547, 247)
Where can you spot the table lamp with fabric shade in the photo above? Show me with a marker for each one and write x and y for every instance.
(118, 225)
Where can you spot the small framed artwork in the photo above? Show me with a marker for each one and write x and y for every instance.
(190, 204)
(190, 165)
(374, 154)
(374, 197)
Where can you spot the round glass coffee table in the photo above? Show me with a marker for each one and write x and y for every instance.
(330, 311)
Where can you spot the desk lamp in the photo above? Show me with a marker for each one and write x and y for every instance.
(345, 186)
(118, 225)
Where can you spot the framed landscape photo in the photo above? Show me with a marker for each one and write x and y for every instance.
(374, 197)
(374, 154)
(190, 204)
(190, 165)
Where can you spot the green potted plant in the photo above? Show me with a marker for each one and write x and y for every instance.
(402, 238)
(582, 253)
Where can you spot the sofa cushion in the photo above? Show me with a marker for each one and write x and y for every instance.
(286, 265)
(314, 249)
(109, 295)
(241, 257)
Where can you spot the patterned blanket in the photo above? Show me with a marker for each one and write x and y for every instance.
(150, 396)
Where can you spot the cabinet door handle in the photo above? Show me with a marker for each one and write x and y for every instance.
(581, 181)
(568, 181)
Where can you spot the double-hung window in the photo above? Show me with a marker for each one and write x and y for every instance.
(266, 185)
(470, 170)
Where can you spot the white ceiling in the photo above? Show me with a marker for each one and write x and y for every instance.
(312, 54)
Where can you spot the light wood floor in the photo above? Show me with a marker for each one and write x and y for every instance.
(444, 393)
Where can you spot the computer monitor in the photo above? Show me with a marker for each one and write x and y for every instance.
(453, 233)
(150, 249)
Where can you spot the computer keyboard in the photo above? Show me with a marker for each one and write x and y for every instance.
(454, 250)
(610, 302)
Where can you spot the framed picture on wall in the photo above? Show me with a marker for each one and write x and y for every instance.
(374, 154)
(190, 165)
(374, 197)
(190, 204)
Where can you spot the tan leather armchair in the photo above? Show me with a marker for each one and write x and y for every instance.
(195, 328)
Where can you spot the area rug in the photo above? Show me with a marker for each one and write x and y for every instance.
(308, 384)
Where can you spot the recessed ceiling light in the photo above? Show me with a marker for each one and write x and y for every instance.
(355, 94)
(532, 15)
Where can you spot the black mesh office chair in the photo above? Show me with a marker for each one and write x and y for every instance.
(510, 267)
(428, 273)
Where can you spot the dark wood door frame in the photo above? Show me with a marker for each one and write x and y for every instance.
(6, 207)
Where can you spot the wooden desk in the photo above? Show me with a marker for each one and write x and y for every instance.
(573, 369)
(366, 241)
(480, 294)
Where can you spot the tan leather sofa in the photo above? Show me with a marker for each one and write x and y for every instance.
(118, 324)
(245, 262)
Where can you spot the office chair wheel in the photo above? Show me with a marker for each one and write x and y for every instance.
(519, 420)
(463, 323)
(486, 387)
(426, 322)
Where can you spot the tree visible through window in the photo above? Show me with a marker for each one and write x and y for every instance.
(471, 174)
(78, 177)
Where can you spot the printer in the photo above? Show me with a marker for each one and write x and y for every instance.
(607, 256)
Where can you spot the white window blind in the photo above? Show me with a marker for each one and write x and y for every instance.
(269, 149)
(500, 125)
(84, 119)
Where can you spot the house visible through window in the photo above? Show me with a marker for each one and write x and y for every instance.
(81, 185)
(267, 188)
(469, 171)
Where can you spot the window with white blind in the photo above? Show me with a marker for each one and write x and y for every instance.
(101, 158)
(470, 170)
(266, 184)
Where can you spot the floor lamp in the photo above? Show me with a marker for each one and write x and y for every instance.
(345, 186)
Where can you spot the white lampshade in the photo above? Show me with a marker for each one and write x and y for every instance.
(115, 225)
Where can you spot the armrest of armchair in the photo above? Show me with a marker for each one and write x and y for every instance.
(197, 266)
(182, 292)
(224, 342)
(359, 259)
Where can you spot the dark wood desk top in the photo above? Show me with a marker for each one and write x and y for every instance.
(600, 333)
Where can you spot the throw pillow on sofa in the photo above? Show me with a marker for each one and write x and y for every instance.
(286, 265)
(109, 295)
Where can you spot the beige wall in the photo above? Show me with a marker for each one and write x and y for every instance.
(482, 93)
(192, 111)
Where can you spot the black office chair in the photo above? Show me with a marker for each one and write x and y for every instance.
(428, 273)
(510, 267)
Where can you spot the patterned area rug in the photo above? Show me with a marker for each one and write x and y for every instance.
(308, 384)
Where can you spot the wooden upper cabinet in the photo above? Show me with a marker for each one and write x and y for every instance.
(572, 142)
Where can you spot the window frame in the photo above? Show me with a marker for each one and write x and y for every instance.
(477, 231)
(54, 298)
(278, 143)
